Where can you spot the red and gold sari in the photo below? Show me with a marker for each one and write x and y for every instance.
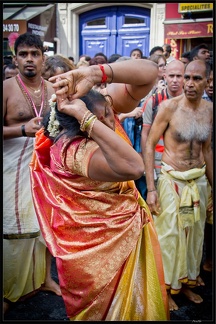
(101, 233)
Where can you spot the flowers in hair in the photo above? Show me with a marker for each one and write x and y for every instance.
(53, 126)
(11, 41)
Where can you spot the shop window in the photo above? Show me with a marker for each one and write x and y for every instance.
(197, 15)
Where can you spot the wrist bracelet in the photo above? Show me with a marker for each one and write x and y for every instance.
(23, 131)
(88, 122)
(104, 76)
(91, 127)
(112, 73)
(87, 114)
(152, 190)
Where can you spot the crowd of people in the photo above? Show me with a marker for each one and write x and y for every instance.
(108, 169)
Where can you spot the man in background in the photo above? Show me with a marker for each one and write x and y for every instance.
(185, 58)
(167, 53)
(200, 52)
(9, 71)
(174, 78)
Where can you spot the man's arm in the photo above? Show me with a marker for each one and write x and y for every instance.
(159, 126)
(134, 113)
(130, 82)
(208, 158)
(144, 134)
(147, 123)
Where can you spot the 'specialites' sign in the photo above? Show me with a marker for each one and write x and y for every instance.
(192, 7)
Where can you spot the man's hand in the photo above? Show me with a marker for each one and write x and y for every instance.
(32, 126)
(153, 202)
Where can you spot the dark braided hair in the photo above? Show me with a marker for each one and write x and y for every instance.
(69, 124)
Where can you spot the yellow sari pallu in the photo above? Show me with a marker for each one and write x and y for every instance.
(141, 294)
(102, 235)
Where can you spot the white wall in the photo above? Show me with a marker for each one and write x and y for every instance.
(68, 23)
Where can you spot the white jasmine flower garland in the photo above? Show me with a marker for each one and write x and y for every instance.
(53, 126)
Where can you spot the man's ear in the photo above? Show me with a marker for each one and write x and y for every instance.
(15, 60)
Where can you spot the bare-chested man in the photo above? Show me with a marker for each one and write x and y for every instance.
(26, 260)
(174, 77)
(179, 204)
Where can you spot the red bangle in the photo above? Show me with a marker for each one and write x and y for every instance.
(104, 76)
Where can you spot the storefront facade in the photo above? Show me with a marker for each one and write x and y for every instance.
(188, 25)
(72, 29)
(125, 25)
(37, 19)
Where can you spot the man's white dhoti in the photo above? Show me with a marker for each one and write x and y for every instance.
(24, 250)
(180, 226)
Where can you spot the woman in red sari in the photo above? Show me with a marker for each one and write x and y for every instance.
(91, 215)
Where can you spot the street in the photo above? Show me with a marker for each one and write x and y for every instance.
(49, 307)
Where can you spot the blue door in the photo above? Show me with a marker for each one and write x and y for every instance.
(115, 29)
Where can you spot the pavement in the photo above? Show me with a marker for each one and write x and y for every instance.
(46, 306)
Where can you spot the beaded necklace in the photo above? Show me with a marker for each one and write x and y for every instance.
(29, 98)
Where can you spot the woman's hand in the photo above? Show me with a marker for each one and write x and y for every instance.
(74, 84)
(138, 112)
(76, 108)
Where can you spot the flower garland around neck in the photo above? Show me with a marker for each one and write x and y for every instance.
(53, 125)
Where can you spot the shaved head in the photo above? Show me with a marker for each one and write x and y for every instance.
(175, 64)
(197, 65)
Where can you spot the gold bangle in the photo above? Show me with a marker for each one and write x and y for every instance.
(84, 119)
(84, 116)
(91, 127)
(88, 122)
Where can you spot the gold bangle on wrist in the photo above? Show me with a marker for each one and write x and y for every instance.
(91, 127)
(86, 116)
(88, 122)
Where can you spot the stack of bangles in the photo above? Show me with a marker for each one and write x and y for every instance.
(88, 120)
